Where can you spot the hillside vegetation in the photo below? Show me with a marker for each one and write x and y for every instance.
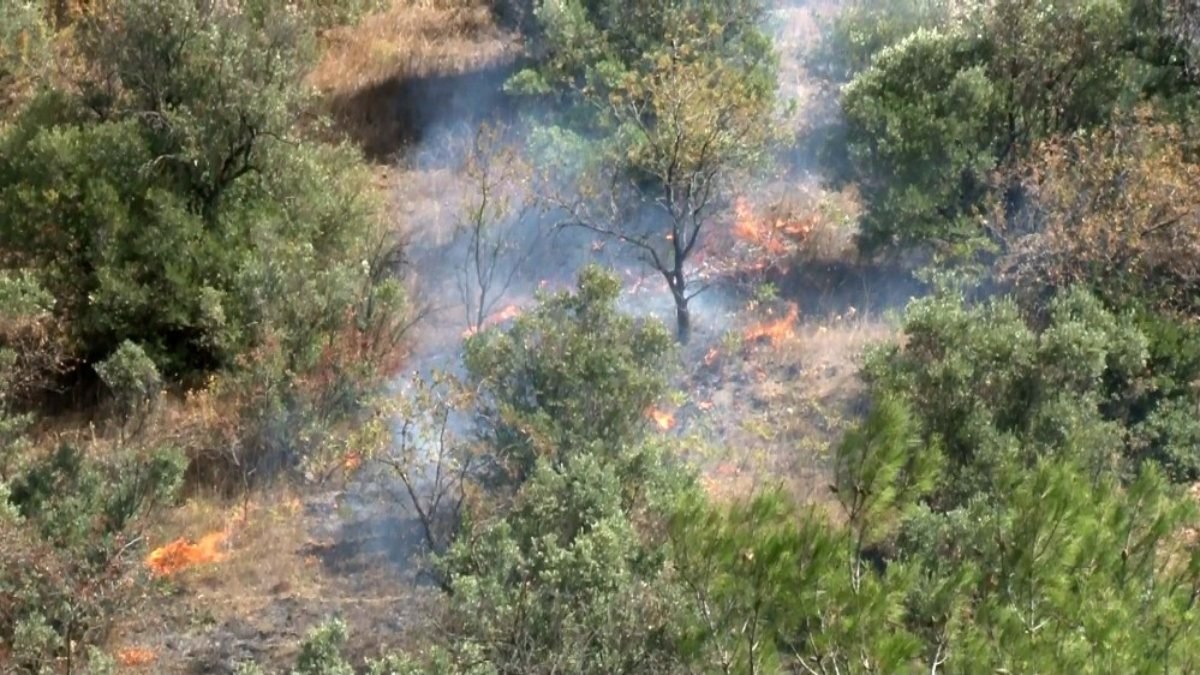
(899, 376)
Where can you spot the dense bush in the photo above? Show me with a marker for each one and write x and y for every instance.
(937, 110)
(851, 38)
(1112, 209)
(998, 392)
(574, 376)
(922, 125)
(171, 204)
(69, 566)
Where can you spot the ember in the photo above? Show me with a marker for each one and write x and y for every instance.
(181, 554)
(136, 656)
(775, 331)
(664, 420)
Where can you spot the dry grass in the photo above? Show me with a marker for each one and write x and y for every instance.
(772, 410)
(412, 38)
(378, 75)
(280, 576)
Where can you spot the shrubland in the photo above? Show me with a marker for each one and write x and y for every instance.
(162, 211)
(1013, 492)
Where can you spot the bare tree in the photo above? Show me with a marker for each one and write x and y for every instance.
(494, 227)
(434, 465)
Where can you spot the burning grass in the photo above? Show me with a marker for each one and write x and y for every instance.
(663, 420)
(774, 235)
(297, 561)
(788, 222)
(136, 657)
(770, 410)
(508, 313)
(776, 331)
(182, 554)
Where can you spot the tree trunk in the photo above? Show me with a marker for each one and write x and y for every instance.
(683, 318)
(683, 322)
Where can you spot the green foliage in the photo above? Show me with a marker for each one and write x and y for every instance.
(72, 532)
(562, 583)
(922, 125)
(573, 376)
(852, 37)
(132, 380)
(23, 305)
(580, 38)
(320, 653)
(881, 469)
(560, 573)
(772, 587)
(1057, 561)
(1110, 391)
(944, 102)
(671, 102)
(171, 205)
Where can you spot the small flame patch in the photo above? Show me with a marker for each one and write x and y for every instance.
(508, 313)
(182, 554)
(133, 657)
(775, 331)
(664, 420)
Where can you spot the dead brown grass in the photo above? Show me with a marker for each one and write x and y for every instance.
(276, 580)
(773, 409)
(411, 38)
(369, 72)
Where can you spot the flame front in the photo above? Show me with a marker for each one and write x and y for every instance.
(775, 331)
(182, 554)
(664, 420)
(506, 314)
(776, 238)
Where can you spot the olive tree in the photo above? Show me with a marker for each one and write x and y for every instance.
(663, 139)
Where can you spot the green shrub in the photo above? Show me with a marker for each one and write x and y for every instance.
(187, 216)
(133, 382)
(70, 562)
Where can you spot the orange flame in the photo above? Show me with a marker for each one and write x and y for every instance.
(664, 420)
(506, 314)
(711, 356)
(136, 656)
(181, 554)
(775, 331)
(776, 237)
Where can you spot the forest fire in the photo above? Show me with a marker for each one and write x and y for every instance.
(665, 421)
(182, 554)
(507, 314)
(776, 237)
(775, 331)
(133, 657)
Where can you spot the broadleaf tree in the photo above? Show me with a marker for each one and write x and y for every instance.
(663, 134)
